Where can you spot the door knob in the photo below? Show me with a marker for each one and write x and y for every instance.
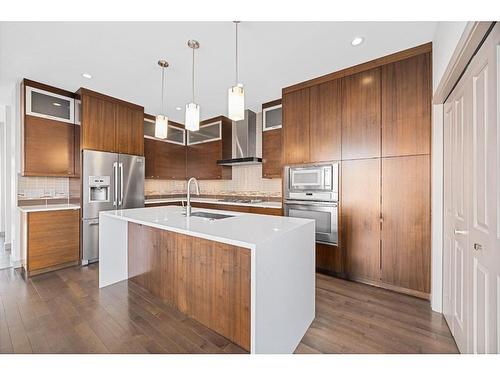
(461, 231)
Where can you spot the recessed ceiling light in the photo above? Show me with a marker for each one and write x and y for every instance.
(87, 75)
(357, 41)
(56, 104)
(178, 108)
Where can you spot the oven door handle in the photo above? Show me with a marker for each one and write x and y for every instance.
(311, 203)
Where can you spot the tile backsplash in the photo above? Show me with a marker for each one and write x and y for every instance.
(42, 187)
(246, 179)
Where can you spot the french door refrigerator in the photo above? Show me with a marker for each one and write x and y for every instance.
(110, 182)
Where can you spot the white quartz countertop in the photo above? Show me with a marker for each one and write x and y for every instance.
(265, 204)
(48, 207)
(242, 229)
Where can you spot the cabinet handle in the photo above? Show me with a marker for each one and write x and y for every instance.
(464, 232)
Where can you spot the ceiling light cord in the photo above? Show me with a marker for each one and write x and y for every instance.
(236, 43)
(192, 77)
(162, 89)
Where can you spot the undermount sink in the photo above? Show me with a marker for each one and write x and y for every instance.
(211, 215)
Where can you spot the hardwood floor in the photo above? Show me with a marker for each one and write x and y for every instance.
(65, 312)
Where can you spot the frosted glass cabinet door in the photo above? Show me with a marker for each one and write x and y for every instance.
(174, 134)
(207, 133)
(272, 118)
(41, 103)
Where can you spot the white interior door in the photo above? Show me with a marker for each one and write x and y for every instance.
(456, 219)
(483, 174)
(471, 295)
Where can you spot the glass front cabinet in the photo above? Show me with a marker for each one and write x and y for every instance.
(45, 104)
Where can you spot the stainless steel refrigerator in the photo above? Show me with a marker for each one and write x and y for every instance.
(110, 182)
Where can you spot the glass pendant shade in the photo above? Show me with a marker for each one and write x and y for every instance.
(192, 117)
(161, 126)
(236, 103)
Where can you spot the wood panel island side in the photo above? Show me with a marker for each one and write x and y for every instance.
(248, 277)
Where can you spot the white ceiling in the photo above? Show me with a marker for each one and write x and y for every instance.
(122, 56)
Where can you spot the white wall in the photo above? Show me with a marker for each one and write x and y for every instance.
(446, 38)
(10, 116)
(2, 176)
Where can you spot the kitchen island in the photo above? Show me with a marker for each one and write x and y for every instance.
(249, 277)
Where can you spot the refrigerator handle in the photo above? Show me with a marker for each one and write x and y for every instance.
(121, 184)
(115, 178)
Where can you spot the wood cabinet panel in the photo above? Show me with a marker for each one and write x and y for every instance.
(295, 130)
(271, 154)
(406, 222)
(207, 280)
(406, 106)
(361, 218)
(170, 161)
(53, 239)
(48, 147)
(98, 124)
(202, 161)
(129, 130)
(361, 115)
(76, 150)
(325, 122)
(149, 158)
(266, 211)
(330, 259)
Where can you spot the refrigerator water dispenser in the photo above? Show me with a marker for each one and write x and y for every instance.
(99, 188)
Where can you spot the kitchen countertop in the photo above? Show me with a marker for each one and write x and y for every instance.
(264, 204)
(48, 207)
(239, 230)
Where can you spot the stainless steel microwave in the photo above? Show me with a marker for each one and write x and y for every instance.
(319, 182)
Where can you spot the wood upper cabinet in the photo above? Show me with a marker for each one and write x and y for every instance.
(48, 147)
(361, 218)
(295, 131)
(406, 106)
(164, 160)
(361, 115)
(325, 121)
(49, 135)
(271, 154)
(406, 222)
(129, 130)
(202, 161)
(150, 158)
(170, 161)
(53, 239)
(271, 140)
(208, 146)
(111, 125)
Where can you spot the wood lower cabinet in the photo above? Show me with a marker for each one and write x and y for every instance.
(271, 154)
(330, 259)
(361, 115)
(406, 106)
(295, 131)
(360, 201)
(206, 280)
(325, 121)
(406, 249)
(52, 241)
(48, 148)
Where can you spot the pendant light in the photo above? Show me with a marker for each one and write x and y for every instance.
(192, 122)
(236, 94)
(161, 123)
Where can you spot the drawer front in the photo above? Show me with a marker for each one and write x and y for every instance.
(53, 238)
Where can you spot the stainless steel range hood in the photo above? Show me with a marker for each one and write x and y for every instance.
(245, 139)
